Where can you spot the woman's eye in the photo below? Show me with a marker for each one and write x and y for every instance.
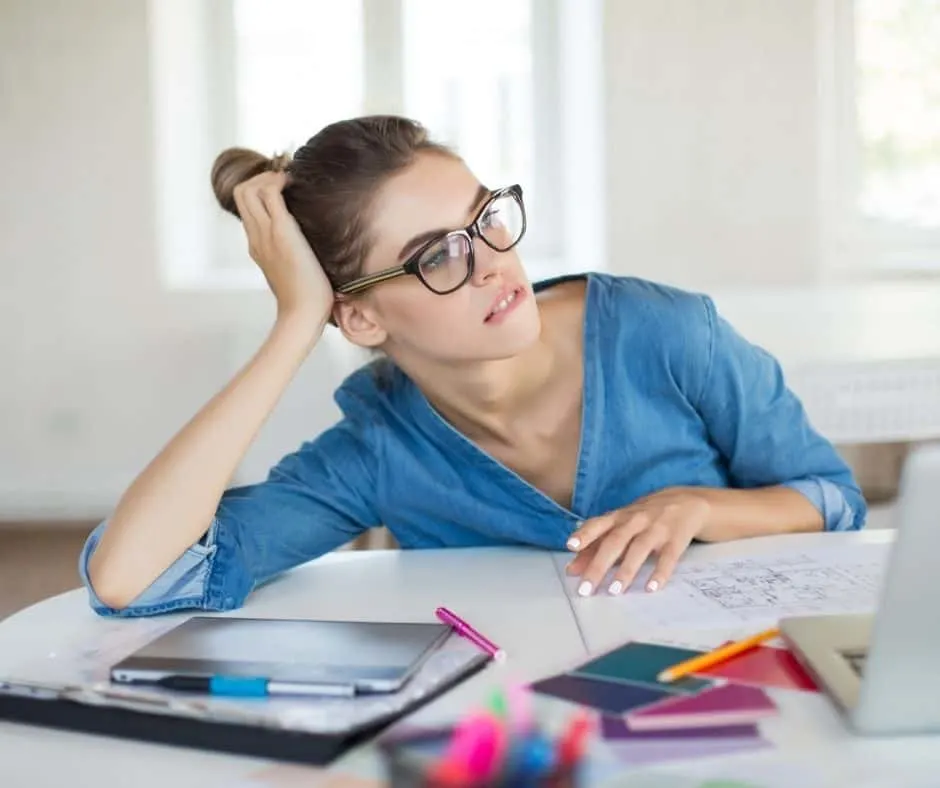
(435, 259)
(492, 218)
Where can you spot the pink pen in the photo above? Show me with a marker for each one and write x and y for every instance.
(463, 629)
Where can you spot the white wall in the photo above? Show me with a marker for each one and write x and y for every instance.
(82, 367)
(98, 366)
(710, 150)
(712, 140)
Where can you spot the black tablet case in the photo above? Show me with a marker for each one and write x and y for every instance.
(260, 742)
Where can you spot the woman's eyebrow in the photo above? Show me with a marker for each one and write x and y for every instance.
(421, 238)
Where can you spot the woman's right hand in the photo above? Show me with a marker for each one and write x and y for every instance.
(277, 245)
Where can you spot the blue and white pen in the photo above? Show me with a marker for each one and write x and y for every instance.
(250, 687)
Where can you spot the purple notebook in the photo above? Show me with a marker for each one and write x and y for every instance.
(728, 705)
(615, 729)
(648, 753)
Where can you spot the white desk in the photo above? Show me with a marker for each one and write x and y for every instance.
(496, 589)
(864, 358)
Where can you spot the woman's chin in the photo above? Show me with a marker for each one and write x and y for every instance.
(515, 337)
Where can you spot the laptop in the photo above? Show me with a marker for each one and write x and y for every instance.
(883, 670)
(321, 657)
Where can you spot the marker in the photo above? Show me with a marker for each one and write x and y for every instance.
(474, 752)
(713, 658)
(463, 629)
(571, 744)
(498, 704)
(532, 757)
(520, 710)
(489, 751)
(249, 687)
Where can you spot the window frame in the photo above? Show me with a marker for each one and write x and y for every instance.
(193, 49)
(853, 245)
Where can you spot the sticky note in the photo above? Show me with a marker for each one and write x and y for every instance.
(640, 663)
(764, 666)
(607, 696)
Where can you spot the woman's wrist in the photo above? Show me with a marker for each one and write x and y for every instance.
(301, 323)
(737, 514)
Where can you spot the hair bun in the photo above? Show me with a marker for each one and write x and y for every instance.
(237, 165)
(280, 162)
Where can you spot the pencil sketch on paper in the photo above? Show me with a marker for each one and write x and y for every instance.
(758, 589)
(764, 588)
(791, 585)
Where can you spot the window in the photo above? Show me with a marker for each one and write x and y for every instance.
(883, 157)
(492, 78)
(468, 75)
(281, 48)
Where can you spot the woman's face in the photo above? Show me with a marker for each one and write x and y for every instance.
(492, 316)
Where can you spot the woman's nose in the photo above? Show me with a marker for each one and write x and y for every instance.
(487, 262)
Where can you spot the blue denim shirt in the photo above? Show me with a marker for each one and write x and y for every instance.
(672, 396)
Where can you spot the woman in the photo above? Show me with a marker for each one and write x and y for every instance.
(614, 416)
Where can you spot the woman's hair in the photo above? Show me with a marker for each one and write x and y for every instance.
(333, 179)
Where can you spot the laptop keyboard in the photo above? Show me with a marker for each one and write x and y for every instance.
(856, 659)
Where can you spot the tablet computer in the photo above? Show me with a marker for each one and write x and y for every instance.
(356, 656)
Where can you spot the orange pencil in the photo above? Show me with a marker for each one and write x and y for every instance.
(720, 654)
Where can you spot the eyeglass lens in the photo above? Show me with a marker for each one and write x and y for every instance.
(445, 265)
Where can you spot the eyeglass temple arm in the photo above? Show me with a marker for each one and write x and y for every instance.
(373, 279)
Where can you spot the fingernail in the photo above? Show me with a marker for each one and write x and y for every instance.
(584, 589)
(652, 585)
(615, 588)
(574, 543)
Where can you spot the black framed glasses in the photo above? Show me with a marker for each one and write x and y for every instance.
(445, 264)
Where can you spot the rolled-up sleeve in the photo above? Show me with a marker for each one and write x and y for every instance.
(759, 425)
(313, 501)
(832, 502)
(184, 584)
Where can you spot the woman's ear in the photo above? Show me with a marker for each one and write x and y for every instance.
(358, 322)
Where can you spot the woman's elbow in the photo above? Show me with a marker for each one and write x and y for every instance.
(108, 587)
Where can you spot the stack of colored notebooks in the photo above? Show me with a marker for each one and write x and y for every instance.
(645, 720)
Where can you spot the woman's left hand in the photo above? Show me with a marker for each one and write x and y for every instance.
(662, 524)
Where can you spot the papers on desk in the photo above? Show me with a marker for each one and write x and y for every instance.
(755, 591)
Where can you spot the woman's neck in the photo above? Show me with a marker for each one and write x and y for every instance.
(491, 401)
(484, 399)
